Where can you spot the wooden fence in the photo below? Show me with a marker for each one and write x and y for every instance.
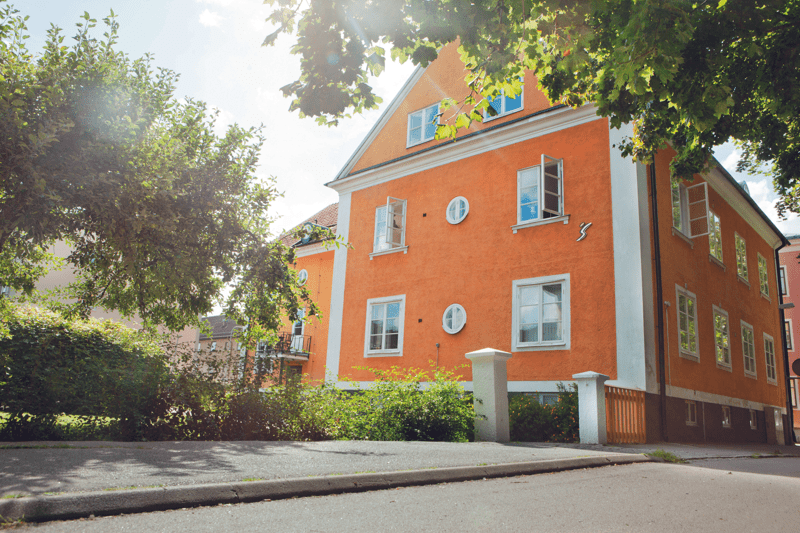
(625, 416)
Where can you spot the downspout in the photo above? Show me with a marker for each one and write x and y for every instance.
(786, 375)
(662, 382)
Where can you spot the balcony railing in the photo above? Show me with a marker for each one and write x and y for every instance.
(294, 346)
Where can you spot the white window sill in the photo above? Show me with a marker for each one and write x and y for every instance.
(423, 141)
(487, 118)
(751, 376)
(741, 279)
(679, 233)
(383, 354)
(690, 356)
(726, 426)
(540, 222)
(723, 366)
(403, 249)
(691, 423)
(541, 347)
(772, 382)
(717, 262)
(766, 297)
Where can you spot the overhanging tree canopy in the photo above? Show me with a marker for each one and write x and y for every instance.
(689, 72)
(160, 212)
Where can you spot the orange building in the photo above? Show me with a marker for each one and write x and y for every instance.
(304, 342)
(790, 291)
(532, 234)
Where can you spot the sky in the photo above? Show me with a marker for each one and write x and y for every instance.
(215, 46)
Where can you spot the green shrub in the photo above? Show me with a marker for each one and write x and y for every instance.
(91, 369)
(398, 407)
(531, 421)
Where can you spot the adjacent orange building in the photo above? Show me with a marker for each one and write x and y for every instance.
(532, 234)
(790, 291)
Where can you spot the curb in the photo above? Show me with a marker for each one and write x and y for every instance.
(80, 505)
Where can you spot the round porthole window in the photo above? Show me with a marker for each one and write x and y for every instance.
(457, 210)
(302, 277)
(454, 319)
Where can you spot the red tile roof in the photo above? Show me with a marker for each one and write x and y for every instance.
(327, 217)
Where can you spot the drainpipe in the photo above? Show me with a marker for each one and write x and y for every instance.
(786, 375)
(662, 381)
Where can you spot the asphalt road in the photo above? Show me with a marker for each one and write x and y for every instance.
(640, 497)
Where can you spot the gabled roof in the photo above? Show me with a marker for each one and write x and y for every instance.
(328, 218)
(221, 327)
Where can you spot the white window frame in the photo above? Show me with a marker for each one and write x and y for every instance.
(771, 367)
(722, 364)
(726, 416)
(691, 204)
(458, 327)
(715, 236)
(783, 286)
(384, 230)
(213, 346)
(564, 343)
(544, 215)
(456, 201)
(503, 99)
(789, 334)
(302, 277)
(687, 352)
(394, 352)
(763, 276)
(422, 136)
(793, 391)
(691, 413)
(747, 327)
(741, 259)
(753, 419)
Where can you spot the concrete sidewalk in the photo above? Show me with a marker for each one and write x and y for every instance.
(68, 480)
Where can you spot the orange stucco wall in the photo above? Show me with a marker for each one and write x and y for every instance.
(444, 77)
(789, 259)
(689, 267)
(320, 276)
(475, 262)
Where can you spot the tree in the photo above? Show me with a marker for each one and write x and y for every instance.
(161, 213)
(690, 73)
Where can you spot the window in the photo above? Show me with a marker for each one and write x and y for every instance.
(390, 226)
(783, 287)
(457, 210)
(302, 277)
(298, 328)
(422, 125)
(753, 419)
(763, 277)
(384, 329)
(540, 313)
(687, 322)
(741, 257)
(213, 346)
(503, 105)
(748, 349)
(691, 413)
(769, 356)
(793, 391)
(722, 338)
(726, 416)
(787, 327)
(540, 193)
(690, 209)
(714, 236)
(454, 318)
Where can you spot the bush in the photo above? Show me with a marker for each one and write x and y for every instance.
(531, 421)
(91, 369)
(398, 407)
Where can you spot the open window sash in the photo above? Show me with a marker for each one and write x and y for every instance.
(698, 209)
(395, 221)
(552, 187)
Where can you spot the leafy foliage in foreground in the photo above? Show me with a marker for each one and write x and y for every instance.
(160, 212)
(690, 73)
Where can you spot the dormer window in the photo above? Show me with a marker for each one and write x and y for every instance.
(503, 105)
(422, 125)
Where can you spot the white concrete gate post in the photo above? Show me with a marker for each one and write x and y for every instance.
(592, 407)
(490, 394)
